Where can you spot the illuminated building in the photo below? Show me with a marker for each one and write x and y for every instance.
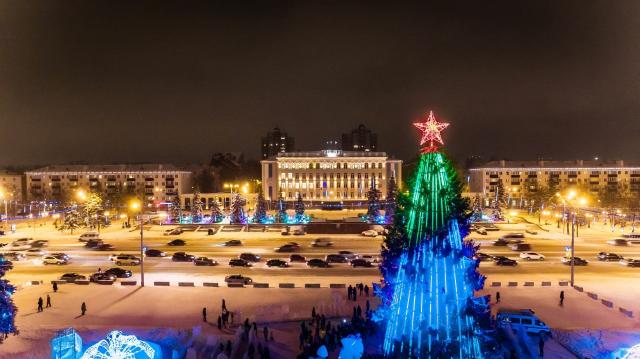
(328, 175)
(11, 186)
(276, 141)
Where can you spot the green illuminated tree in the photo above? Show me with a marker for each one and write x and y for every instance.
(196, 208)
(373, 202)
(260, 215)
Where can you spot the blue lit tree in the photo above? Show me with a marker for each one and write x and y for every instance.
(237, 215)
(196, 208)
(299, 208)
(281, 216)
(476, 215)
(176, 210)
(390, 203)
(260, 215)
(373, 202)
(429, 272)
(8, 310)
(216, 212)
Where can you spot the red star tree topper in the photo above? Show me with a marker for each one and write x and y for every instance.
(431, 133)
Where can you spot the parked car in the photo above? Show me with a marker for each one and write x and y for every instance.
(176, 242)
(348, 255)
(520, 246)
(285, 233)
(35, 252)
(92, 243)
(504, 261)
(40, 243)
(630, 262)
(317, 263)
(576, 261)
(361, 263)
(250, 257)
(87, 236)
(277, 263)
(335, 258)
(154, 253)
(322, 242)
(297, 258)
(182, 257)
(238, 279)
(500, 242)
(287, 248)
(618, 242)
(481, 231)
(238, 262)
(127, 260)
(513, 235)
(369, 233)
(233, 243)
(521, 320)
(298, 232)
(53, 260)
(72, 277)
(104, 247)
(531, 256)
(482, 257)
(98, 276)
(204, 261)
(119, 272)
(173, 232)
(609, 257)
(114, 256)
(370, 258)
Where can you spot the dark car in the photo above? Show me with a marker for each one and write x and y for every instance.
(119, 272)
(237, 262)
(6, 265)
(92, 243)
(287, 248)
(297, 258)
(277, 263)
(577, 261)
(177, 242)
(361, 263)
(233, 243)
(609, 257)
(72, 277)
(102, 276)
(238, 279)
(63, 256)
(154, 253)
(249, 257)
(182, 257)
(317, 263)
(504, 261)
(482, 257)
(204, 261)
(335, 258)
(104, 247)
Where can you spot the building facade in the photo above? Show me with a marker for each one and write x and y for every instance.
(328, 175)
(156, 182)
(518, 177)
(11, 187)
(360, 139)
(276, 141)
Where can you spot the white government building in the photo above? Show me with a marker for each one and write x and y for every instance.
(328, 175)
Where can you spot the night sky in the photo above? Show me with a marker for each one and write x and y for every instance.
(120, 82)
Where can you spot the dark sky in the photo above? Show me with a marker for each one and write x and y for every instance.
(115, 81)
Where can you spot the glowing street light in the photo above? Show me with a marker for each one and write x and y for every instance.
(136, 206)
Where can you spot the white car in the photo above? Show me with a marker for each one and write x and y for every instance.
(114, 256)
(127, 260)
(35, 252)
(369, 233)
(531, 256)
(322, 242)
(370, 258)
(53, 260)
(84, 237)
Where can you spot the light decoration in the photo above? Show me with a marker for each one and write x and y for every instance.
(431, 133)
(119, 346)
(432, 311)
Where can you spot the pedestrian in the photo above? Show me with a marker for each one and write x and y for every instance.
(48, 301)
(40, 304)
(359, 311)
(313, 312)
(231, 317)
(83, 308)
(562, 297)
(265, 333)
(497, 297)
(361, 288)
(366, 290)
(541, 346)
(355, 294)
(255, 329)
(224, 305)
(204, 314)
(219, 323)
(349, 292)
(55, 287)
(368, 306)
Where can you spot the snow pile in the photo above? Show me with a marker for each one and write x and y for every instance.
(599, 344)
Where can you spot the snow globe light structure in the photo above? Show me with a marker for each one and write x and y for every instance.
(120, 346)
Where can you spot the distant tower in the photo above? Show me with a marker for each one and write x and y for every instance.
(276, 141)
(360, 139)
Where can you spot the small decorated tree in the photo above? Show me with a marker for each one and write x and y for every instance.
(8, 310)
(299, 208)
(260, 215)
(373, 202)
(476, 215)
(71, 221)
(176, 210)
(196, 208)
(281, 216)
(237, 210)
(92, 208)
(391, 204)
(216, 213)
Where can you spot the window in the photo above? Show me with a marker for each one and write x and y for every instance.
(270, 168)
(526, 321)
(514, 320)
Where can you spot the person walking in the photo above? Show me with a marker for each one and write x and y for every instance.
(204, 314)
(48, 301)
(349, 289)
(541, 346)
(224, 304)
(219, 323)
(366, 290)
(562, 297)
(368, 306)
(40, 304)
(265, 333)
(55, 287)
(255, 329)
(313, 312)
(497, 297)
(83, 308)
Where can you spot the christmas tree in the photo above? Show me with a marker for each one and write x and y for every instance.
(281, 216)
(216, 213)
(196, 208)
(176, 210)
(391, 201)
(476, 215)
(429, 272)
(499, 202)
(260, 215)
(373, 202)
(237, 210)
(8, 310)
(299, 208)
(71, 221)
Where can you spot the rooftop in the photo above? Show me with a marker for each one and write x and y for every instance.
(128, 168)
(332, 153)
(559, 164)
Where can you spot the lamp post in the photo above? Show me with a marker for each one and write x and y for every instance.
(570, 201)
(136, 206)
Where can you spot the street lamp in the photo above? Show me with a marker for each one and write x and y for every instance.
(136, 206)
(570, 200)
